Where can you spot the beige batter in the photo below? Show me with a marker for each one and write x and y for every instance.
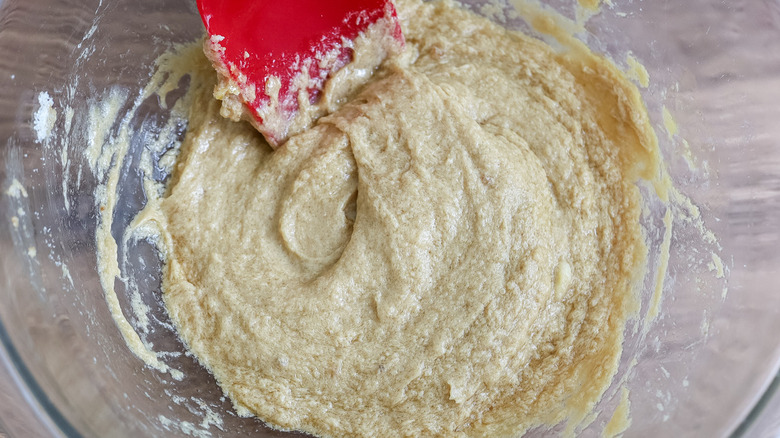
(452, 252)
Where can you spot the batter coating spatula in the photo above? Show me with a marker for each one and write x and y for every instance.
(275, 56)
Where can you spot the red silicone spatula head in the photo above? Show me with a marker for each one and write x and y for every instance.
(278, 53)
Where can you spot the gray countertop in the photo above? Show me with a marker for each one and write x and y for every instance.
(16, 415)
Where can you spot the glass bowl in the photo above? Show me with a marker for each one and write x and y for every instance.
(706, 366)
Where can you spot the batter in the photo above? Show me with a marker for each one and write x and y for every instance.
(452, 252)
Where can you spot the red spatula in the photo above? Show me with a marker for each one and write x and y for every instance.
(277, 54)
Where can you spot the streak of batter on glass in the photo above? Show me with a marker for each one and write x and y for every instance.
(454, 250)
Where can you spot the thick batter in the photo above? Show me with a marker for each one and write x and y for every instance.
(452, 252)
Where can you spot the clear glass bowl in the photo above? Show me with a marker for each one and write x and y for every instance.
(706, 367)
